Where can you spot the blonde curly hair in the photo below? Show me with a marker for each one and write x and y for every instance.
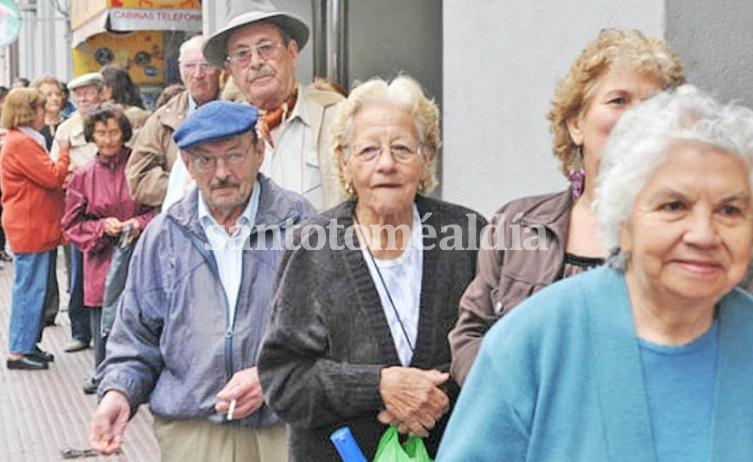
(650, 56)
(403, 92)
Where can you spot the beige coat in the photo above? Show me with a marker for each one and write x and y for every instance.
(302, 158)
(137, 117)
(154, 152)
(81, 150)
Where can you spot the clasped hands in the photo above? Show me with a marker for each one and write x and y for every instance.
(113, 226)
(412, 398)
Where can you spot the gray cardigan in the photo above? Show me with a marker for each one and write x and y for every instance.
(328, 337)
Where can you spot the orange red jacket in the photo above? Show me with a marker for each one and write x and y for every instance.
(33, 199)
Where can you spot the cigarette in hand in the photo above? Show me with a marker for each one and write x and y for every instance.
(231, 409)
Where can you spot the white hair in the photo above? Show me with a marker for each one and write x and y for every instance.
(197, 40)
(640, 142)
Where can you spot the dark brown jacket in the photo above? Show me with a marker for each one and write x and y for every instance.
(507, 272)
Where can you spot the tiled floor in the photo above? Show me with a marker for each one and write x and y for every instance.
(45, 412)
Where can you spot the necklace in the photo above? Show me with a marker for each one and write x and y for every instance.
(384, 286)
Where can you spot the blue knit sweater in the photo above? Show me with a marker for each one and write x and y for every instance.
(560, 379)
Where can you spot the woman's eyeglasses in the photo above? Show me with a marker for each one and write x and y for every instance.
(402, 153)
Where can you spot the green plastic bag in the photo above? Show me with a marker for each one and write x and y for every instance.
(390, 449)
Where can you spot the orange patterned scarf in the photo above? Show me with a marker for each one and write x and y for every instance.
(270, 120)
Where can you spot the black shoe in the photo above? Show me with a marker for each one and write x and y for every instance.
(90, 386)
(40, 355)
(75, 345)
(26, 363)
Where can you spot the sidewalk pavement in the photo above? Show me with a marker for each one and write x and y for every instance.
(43, 413)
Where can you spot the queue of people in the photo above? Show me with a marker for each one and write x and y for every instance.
(293, 274)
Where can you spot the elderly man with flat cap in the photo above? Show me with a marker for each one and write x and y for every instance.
(86, 90)
(260, 50)
(195, 304)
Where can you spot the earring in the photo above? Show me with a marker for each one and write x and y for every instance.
(577, 174)
(618, 259)
(349, 189)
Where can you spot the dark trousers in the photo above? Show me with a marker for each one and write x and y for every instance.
(95, 321)
(2, 231)
(51, 295)
(80, 322)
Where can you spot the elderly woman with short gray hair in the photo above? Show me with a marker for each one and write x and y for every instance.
(649, 357)
(358, 330)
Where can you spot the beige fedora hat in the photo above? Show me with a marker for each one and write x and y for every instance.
(215, 50)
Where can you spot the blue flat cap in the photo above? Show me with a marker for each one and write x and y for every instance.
(214, 121)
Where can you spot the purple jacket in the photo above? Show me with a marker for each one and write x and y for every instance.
(98, 191)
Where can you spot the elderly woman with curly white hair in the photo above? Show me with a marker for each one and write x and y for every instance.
(648, 359)
(358, 330)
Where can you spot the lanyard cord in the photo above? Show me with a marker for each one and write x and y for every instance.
(384, 285)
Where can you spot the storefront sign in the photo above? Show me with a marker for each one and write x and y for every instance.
(125, 19)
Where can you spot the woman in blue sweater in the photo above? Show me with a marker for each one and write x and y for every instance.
(648, 359)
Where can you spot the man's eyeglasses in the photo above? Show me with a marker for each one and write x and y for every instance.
(265, 51)
(402, 153)
(204, 163)
(192, 66)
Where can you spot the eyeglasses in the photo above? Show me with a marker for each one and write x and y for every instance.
(111, 134)
(265, 51)
(402, 153)
(204, 163)
(192, 66)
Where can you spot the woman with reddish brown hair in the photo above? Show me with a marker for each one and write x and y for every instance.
(32, 185)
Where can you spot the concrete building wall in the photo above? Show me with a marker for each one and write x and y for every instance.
(715, 42)
(43, 44)
(501, 62)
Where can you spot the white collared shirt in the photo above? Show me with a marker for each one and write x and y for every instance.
(228, 248)
(293, 162)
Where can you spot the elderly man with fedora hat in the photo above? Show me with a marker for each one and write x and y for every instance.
(260, 50)
(194, 307)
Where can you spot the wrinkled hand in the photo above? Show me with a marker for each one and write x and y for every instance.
(109, 422)
(113, 226)
(135, 226)
(245, 389)
(412, 398)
